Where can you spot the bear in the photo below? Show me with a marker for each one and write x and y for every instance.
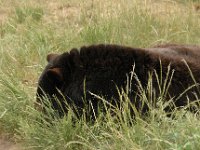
(78, 77)
(186, 51)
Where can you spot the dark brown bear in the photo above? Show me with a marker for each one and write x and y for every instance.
(75, 77)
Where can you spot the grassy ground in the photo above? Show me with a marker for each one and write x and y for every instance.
(29, 30)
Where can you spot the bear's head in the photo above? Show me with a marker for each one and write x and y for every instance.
(60, 83)
(49, 85)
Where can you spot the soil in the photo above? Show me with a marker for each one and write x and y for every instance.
(5, 144)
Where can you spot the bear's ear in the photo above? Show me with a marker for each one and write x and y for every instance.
(51, 57)
(55, 75)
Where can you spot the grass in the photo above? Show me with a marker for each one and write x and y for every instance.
(29, 30)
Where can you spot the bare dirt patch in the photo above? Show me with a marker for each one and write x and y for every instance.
(6, 144)
(59, 12)
(6, 7)
(167, 8)
(3, 15)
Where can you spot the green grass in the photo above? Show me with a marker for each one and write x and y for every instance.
(32, 29)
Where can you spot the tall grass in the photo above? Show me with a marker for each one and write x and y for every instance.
(32, 29)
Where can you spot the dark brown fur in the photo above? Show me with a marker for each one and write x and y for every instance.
(188, 52)
(102, 68)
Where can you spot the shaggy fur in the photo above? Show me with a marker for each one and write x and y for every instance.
(100, 69)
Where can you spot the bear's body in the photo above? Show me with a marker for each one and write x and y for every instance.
(100, 69)
(188, 52)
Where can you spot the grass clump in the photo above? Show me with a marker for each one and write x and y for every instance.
(23, 13)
